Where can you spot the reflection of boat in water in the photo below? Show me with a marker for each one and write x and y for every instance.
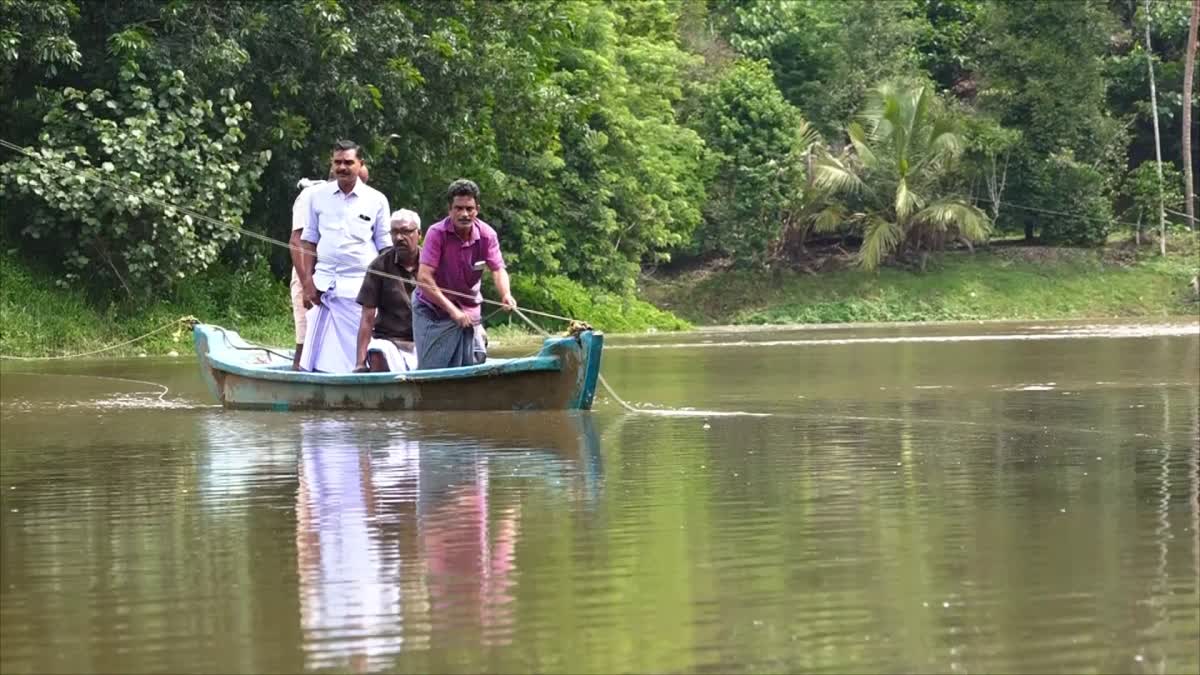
(403, 530)
(562, 376)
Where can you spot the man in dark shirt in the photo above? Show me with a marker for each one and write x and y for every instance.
(385, 334)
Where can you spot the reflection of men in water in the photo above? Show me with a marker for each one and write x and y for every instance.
(374, 580)
(469, 549)
(349, 573)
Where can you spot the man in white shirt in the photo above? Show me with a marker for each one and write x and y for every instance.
(346, 225)
(299, 219)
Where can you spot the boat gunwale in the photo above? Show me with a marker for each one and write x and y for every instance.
(218, 360)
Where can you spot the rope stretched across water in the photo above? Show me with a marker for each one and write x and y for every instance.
(603, 381)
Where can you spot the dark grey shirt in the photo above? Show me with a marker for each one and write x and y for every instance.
(392, 298)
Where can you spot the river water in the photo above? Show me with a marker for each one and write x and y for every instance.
(949, 498)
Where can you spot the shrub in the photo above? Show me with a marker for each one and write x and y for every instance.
(106, 185)
(605, 311)
(1075, 194)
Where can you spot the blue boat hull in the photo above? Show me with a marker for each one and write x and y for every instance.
(562, 376)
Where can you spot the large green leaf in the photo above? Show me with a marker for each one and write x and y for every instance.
(879, 241)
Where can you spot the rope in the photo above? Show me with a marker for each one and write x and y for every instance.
(262, 237)
(161, 395)
(251, 348)
(183, 319)
(1052, 212)
(1176, 213)
(603, 382)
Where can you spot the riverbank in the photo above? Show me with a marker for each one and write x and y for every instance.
(39, 318)
(1000, 283)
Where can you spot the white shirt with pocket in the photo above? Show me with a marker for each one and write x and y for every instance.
(349, 230)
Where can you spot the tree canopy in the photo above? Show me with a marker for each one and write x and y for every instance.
(605, 136)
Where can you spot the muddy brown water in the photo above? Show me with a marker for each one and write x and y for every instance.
(945, 498)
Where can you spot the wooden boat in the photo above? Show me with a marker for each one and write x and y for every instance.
(562, 376)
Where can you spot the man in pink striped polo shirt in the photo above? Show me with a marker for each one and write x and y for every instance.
(447, 325)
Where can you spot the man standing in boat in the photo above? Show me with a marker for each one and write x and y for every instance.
(299, 219)
(446, 310)
(346, 226)
(385, 333)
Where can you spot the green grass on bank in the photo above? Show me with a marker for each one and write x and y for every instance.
(38, 318)
(1010, 283)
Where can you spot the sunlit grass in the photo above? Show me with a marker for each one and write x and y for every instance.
(959, 286)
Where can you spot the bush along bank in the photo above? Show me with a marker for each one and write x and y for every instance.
(1000, 284)
(40, 318)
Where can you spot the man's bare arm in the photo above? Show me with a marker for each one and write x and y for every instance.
(429, 289)
(500, 278)
(308, 263)
(366, 326)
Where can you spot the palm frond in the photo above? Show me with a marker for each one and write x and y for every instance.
(879, 241)
(829, 219)
(920, 110)
(945, 140)
(831, 174)
(907, 202)
(806, 136)
(873, 113)
(859, 139)
(971, 223)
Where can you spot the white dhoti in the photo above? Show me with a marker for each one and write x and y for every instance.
(398, 360)
(331, 342)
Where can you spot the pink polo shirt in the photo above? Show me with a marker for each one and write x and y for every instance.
(453, 261)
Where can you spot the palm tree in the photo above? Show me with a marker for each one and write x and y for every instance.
(903, 151)
(809, 205)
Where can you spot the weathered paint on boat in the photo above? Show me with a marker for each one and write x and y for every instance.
(562, 376)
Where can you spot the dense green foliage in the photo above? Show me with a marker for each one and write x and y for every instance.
(905, 156)
(1042, 73)
(749, 129)
(116, 167)
(1142, 191)
(605, 136)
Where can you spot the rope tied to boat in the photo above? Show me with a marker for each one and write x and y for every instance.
(574, 330)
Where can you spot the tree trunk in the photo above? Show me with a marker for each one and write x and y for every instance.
(1162, 216)
(1189, 74)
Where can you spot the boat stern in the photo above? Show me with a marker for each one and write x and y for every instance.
(202, 337)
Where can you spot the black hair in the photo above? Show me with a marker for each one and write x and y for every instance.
(346, 146)
(462, 188)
